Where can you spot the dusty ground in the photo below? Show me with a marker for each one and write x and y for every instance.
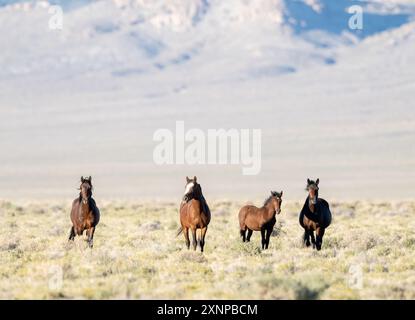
(368, 253)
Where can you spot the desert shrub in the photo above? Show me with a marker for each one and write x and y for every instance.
(192, 256)
(248, 248)
(340, 291)
(409, 242)
(277, 231)
(335, 242)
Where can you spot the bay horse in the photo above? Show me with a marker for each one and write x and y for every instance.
(194, 213)
(85, 213)
(252, 218)
(315, 215)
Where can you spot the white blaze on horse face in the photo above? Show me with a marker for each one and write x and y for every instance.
(189, 187)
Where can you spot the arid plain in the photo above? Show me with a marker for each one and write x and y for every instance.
(368, 253)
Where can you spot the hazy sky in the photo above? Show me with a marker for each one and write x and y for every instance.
(86, 100)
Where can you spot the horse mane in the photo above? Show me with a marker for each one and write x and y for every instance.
(197, 192)
(275, 194)
(204, 204)
(199, 196)
(267, 200)
(305, 206)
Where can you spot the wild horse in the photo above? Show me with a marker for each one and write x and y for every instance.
(85, 213)
(252, 218)
(194, 213)
(315, 215)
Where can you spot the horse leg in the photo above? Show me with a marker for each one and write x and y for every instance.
(243, 233)
(320, 234)
(186, 237)
(248, 237)
(313, 240)
(194, 239)
(72, 234)
(267, 237)
(202, 238)
(306, 237)
(90, 233)
(263, 241)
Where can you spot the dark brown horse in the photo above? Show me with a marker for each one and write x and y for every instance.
(315, 215)
(262, 219)
(194, 213)
(85, 213)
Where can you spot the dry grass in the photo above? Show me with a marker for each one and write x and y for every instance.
(368, 253)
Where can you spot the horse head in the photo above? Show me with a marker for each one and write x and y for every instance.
(86, 189)
(192, 189)
(312, 188)
(276, 200)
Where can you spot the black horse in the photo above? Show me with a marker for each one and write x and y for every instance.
(315, 215)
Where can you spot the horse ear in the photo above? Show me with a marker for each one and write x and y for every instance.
(272, 193)
(195, 179)
(317, 181)
(308, 181)
(281, 193)
(82, 178)
(90, 179)
(187, 179)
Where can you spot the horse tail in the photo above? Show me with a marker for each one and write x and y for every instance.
(179, 231)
